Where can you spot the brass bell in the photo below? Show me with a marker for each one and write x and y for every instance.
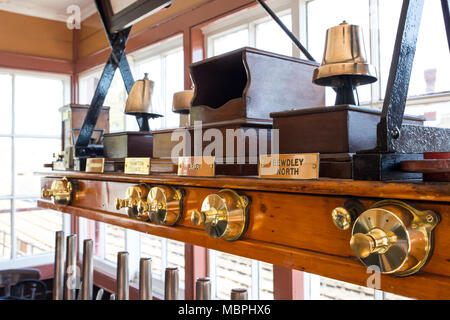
(345, 66)
(139, 102)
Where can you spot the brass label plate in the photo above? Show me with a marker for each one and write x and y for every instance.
(290, 166)
(137, 166)
(196, 166)
(95, 165)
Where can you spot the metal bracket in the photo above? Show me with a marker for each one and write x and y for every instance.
(392, 135)
(116, 60)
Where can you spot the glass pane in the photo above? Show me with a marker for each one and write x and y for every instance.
(151, 247)
(35, 228)
(270, 37)
(431, 63)
(230, 42)
(174, 82)
(37, 101)
(31, 155)
(265, 281)
(154, 69)
(5, 229)
(5, 103)
(91, 230)
(87, 88)
(337, 290)
(175, 257)
(324, 14)
(114, 242)
(5, 166)
(116, 99)
(232, 272)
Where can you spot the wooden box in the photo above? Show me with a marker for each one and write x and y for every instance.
(339, 129)
(163, 144)
(128, 145)
(72, 120)
(250, 84)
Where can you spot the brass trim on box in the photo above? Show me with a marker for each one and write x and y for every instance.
(164, 205)
(224, 215)
(60, 192)
(393, 236)
(133, 197)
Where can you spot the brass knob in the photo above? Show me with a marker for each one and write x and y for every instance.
(133, 198)
(60, 192)
(376, 241)
(394, 236)
(341, 218)
(164, 205)
(224, 215)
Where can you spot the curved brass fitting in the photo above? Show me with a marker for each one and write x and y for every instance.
(224, 215)
(164, 205)
(394, 236)
(133, 198)
(60, 192)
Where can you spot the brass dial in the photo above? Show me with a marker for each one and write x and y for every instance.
(394, 236)
(224, 215)
(60, 192)
(164, 205)
(132, 200)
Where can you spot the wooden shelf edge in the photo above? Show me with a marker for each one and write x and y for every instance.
(421, 286)
(423, 191)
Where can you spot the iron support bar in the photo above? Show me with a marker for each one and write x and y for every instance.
(286, 30)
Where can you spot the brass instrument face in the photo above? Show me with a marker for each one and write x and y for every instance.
(394, 236)
(164, 205)
(131, 202)
(60, 192)
(224, 215)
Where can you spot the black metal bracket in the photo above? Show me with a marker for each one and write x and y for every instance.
(392, 135)
(116, 60)
(446, 11)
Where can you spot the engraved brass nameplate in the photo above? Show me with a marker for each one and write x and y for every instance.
(289, 166)
(196, 166)
(137, 166)
(95, 165)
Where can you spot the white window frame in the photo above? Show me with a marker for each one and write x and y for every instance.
(44, 258)
(249, 19)
(255, 275)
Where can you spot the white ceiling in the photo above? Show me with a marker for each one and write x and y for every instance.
(48, 9)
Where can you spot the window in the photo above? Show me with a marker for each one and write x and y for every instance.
(229, 272)
(251, 28)
(29, 125)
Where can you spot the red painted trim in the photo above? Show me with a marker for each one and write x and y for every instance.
(33, 63)
(288, 284)
(196, 266)
(108, 283)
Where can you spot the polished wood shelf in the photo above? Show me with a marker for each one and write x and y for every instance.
(290, 221)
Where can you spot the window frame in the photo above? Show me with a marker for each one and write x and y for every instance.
(38, 259)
